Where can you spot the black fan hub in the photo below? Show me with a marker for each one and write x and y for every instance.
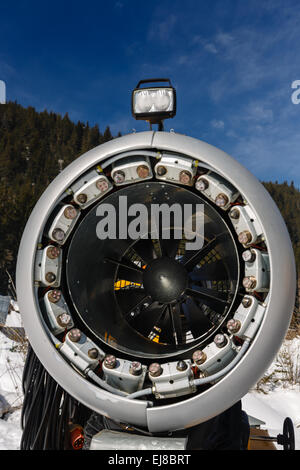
(165, 280)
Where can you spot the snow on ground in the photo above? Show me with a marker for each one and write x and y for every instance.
(279, 394)
(10, 432)
(12, 359)
(11, 369)
(273, 408)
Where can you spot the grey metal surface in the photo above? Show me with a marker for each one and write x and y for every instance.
(114, 440)
(255, 422)
(266, 343)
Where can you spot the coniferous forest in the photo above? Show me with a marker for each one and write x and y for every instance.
(36, 146)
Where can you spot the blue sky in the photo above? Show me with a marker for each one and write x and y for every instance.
(232, 63)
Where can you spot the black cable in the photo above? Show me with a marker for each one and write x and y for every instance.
(50, 439)
(32, 411)
(48, 411)
(52, 424)
(30, 377)
(60, 437)
(39, 438)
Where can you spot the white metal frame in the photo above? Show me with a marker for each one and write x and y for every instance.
(280, 300)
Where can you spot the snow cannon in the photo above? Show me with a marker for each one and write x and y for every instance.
(156, 276)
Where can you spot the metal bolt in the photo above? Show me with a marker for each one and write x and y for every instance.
(58, 234)
(155, 369)
(181, 366)
(135, 368)
(201, 184)
(199, 357)
(54, 295)
(246, 302)
(53, 252)
(234, 213)
(233, 325)
(119, 177)
(220, 340)
(82, 198)
(245, 237)
(50, 277)
(249, 256)
(70, 212)
(142, 171)
(93, 353)
(185, 177)
(102, 185)
(110, 361)
(75, 335)
(64, 319)
(221, 200)
(161, 170)
(249, 282)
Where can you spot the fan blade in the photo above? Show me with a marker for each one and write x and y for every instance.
(175, 313)
(169, 242)
(145, 250)
(214, 271)
(197, 320)
(168, 247)
(127, 270)
(210, 297)
(130, 299)
(192, 258)
(164, 325)
(128, 274)
(148, 317)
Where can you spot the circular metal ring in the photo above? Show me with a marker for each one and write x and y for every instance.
(278, 304)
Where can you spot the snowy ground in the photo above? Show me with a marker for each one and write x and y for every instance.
(273, 408)
(11, 396)
(279, 396)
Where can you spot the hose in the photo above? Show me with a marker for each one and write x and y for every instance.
(197, 382)
(205, 380)
(105, 385)
(226, 369)
(140, 393)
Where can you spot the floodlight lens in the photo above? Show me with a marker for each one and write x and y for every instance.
(143, 101)
(153, 100)
(162, 100)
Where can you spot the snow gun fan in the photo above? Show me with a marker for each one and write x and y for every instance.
(159, 327)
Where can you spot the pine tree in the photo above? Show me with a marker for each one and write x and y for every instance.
(34, 147)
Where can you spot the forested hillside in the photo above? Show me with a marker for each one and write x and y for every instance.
(35, 146)
(287, 198)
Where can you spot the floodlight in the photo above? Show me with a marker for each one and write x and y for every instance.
(154, 103)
